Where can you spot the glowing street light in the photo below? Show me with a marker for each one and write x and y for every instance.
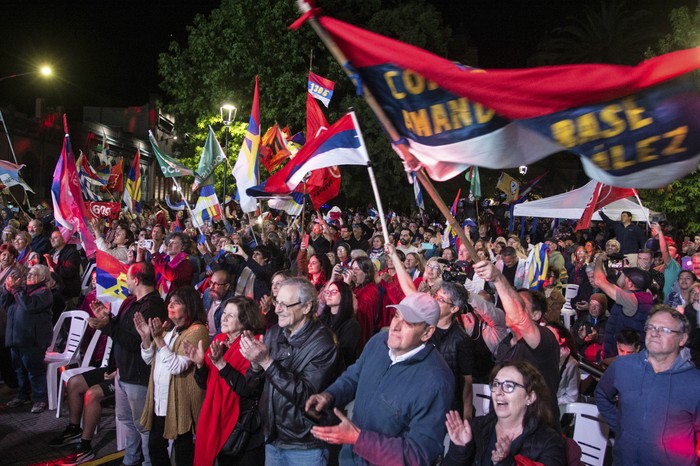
(44, 70)
(228, 114)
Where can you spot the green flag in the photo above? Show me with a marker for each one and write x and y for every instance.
(212, 156)
(170, 167)
(472, 176)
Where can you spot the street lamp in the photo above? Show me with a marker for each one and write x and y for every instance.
(44, 70)
(228, 115)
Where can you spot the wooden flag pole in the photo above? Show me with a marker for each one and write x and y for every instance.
(389, 128)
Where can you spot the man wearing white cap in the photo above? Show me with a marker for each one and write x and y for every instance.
(402, 389)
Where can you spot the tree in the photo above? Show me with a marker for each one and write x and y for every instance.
(244, 38)
(680, 200)
(611, 34)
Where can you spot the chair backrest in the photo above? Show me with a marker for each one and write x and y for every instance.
(86, 279)
(78, 324)
(108, 351)
(570, 292)
(590, 432)
(481, 395)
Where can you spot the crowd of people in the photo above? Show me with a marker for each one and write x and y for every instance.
(323, 339)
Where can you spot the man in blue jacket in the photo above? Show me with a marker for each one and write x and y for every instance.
(402, 389)
(657, 416)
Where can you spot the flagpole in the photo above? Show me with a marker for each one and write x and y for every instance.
(9, 142)
(388, 126)
(303, 209)
(187, 204)
(646, 216)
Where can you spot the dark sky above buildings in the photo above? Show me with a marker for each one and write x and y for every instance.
(105, 51)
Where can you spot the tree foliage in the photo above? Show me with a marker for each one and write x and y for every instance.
(680, 200)
(244, 38)
(610, 34)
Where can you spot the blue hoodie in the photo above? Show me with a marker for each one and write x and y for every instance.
(657, 416)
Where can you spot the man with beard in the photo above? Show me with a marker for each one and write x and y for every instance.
(219, 291)
(405, 245)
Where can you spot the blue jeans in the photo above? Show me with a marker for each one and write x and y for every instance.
(129, 400)
(31, 373)
(275, 456)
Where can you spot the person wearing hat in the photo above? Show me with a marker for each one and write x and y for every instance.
(632, 302)
(402, 389)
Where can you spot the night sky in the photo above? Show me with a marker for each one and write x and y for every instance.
(105, 51)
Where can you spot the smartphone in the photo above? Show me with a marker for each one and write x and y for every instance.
(321, 418)
(147, 244)
(426, 246)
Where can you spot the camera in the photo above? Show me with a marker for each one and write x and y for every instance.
(146, 244)
(456, 272)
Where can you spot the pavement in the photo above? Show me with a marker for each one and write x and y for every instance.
(24, 437)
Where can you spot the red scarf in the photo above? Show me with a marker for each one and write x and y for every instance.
(221, 406)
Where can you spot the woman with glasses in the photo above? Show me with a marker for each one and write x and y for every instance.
(360, 276)
(221, 372)
(431, 280)
(518, 423)
(339, 315)
(174, 399)
(28, 332)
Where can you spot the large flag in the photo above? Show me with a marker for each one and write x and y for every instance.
(292, 205)
(170, 167)
(207, 208)
(449, 237)
(472, 176)
(341, 144)
(323, 184)
(132, 191)
(9, 175)
(273, 148)
(246, 170)
(321, 88)
(631, 126)
(174, 205)
(212, 156)
(90, 181)
(111, 281)
(527, 187)
(601, 196)
(508, 185)
(68, 207)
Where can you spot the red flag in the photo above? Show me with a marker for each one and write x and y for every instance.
(324, 184)
(116, 177)
(602, 195)
(273, 148)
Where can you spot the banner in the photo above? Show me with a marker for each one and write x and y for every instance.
(100, 210)
(631, 126)
(602, 195)
(111, 281)
(170, 167)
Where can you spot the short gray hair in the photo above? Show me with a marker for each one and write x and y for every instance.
(682, 319)
(43, 273)
(306, 291)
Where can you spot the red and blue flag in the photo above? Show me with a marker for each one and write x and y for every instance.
(111, 281)
(625, 123)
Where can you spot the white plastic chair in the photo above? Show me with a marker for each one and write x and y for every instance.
(590, 431)
(71, 353)
(481, 396)
(84, 365)
(568, 313)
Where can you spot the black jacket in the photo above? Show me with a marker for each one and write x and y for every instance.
(304, 364)
(68, 269)
(28, 316)
(537, 442)
(127, 342)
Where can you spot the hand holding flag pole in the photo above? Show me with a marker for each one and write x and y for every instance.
(402, 148)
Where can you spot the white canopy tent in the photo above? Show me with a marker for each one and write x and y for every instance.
(572, 204)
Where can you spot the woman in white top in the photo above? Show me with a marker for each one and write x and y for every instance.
(174, 399)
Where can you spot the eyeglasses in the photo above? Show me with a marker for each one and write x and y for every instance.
(440, 299)
(660, 330)
(507, 386)
(218, 284)
(285, 307)
(331, 292)
(433, 266)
